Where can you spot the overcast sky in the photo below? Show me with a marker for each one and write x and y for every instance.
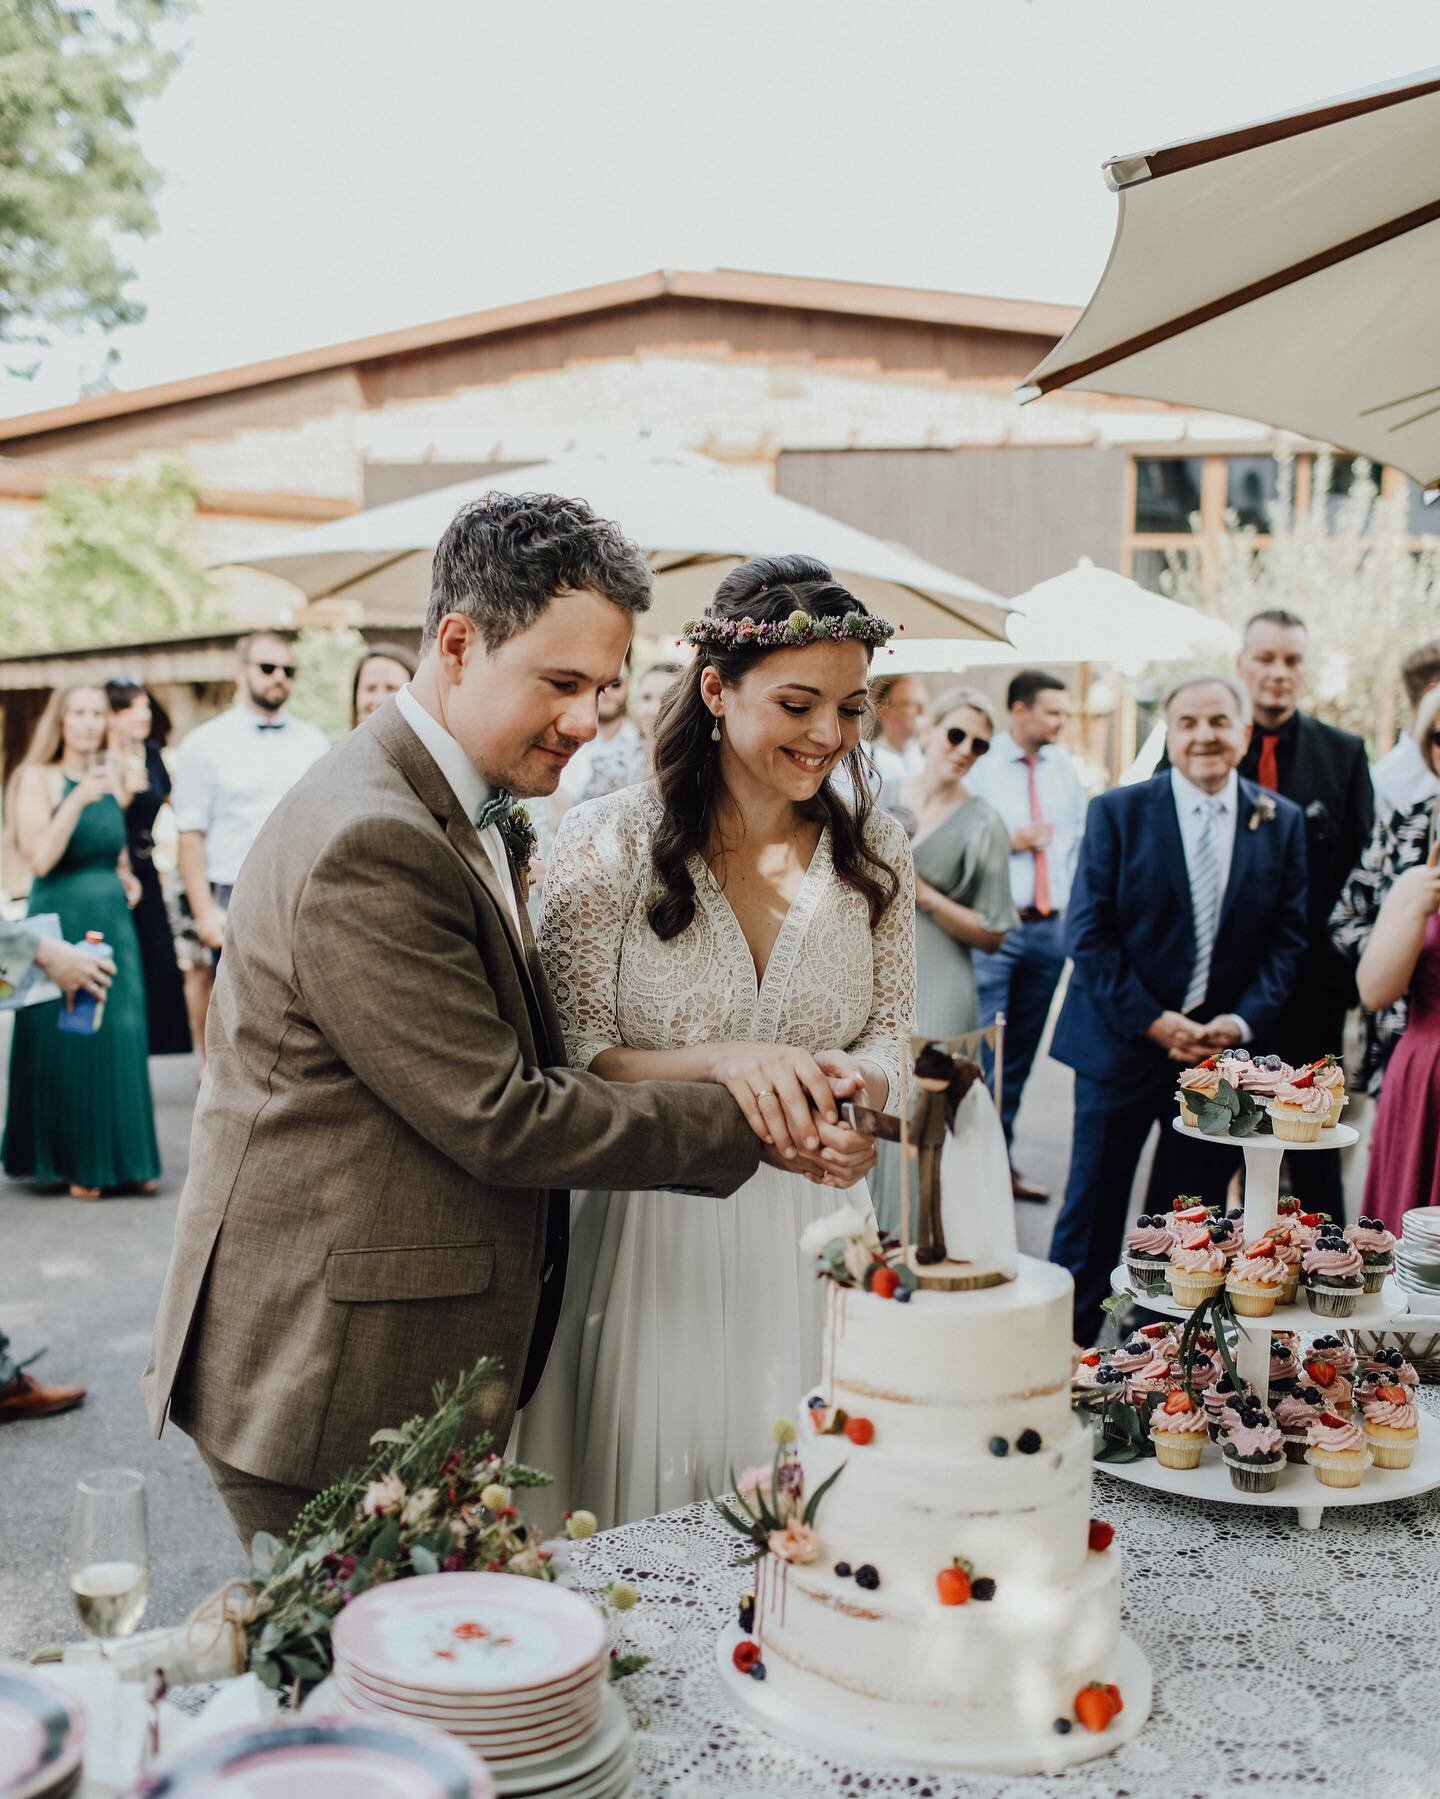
(340, 167)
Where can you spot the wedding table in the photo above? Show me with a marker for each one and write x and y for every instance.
(1282, 1663)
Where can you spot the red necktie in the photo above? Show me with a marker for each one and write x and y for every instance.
(1042, 861)
(1268, 773)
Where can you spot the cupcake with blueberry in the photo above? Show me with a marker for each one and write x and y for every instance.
(1295, 1411)
(1298, 1110)
(1195, 1086)
(1390, 1420)
(1332, 1349)
(1254, 1451)
(1215, 1401)
(1391, 1364)
(1254, 1283)
(1133, 1353)
(1147, 1254)
(1228, 1237)
(1262, 1076)
(1178, 1431)
(1332, 1275)
(1197, 1268)
(1284, 1370)
(1337, 1451)
(1145, 1387)
(1377, 1251)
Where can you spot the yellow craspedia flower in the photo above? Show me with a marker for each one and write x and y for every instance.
(623, 1596)
(580, 1525)
(495, 1498)
(799, 622)
(782, 1431)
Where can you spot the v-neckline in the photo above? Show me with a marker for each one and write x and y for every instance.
(790, 925)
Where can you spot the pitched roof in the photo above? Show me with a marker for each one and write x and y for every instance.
(861, 299)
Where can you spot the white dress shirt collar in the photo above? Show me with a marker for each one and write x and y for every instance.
(466, 782)
(1189, 798)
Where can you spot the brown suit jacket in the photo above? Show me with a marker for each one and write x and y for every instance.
(382, 1146)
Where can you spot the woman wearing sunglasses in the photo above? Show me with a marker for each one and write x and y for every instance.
(962, 885)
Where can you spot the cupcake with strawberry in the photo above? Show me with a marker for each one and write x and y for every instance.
(1377, 1251)
(1178, 1431)
(1331, 1273)
(1254, 1282)
(1197, 1268)
(1280, 1242)
(1391, 1421)
(1295, 1412)
(1333, 1349)
(1195, 1086)
(1254, 1451)
(1299, 1109)
(1147, 1254)
(1337, 1451)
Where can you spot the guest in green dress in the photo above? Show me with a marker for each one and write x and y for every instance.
(80, 1111)
(962, 889)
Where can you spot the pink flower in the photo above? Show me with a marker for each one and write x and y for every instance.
(754, 1480)
(796, 1543)
(383, 1496)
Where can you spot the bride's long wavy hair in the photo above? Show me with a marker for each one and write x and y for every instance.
(687, 770)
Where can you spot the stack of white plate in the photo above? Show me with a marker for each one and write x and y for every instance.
(42, 1736)
(321, 1758)
(516, 1669)
(1417, 1258)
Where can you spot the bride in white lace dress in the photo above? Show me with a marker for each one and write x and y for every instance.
(734, 920)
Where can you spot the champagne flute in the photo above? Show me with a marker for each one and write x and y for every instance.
(110, 1553)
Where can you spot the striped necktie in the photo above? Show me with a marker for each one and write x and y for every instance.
(1205, 897)
(494, 810)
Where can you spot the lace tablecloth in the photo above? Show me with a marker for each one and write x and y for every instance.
(1284, 1660)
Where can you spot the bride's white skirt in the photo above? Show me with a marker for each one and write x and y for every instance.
(689, 1326)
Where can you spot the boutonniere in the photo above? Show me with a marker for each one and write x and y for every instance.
(1264, 812)
(521, 841)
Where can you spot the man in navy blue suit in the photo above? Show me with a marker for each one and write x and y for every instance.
(1186, 928)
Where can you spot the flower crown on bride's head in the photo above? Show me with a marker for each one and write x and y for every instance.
(799, 628)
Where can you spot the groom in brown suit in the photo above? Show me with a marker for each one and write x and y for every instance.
(387, 1132)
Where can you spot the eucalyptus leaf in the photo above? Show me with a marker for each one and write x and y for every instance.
(423, 1560)
(1214, 1119)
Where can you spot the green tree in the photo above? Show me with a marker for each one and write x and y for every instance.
(325, 662)
(109, 564)
(73, 178)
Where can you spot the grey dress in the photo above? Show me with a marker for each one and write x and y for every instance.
(967, 858)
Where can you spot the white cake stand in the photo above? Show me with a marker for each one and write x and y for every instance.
(1298, 1486)
(839, 1741)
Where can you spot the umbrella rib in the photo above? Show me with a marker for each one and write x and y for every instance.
(1385, 233)
(1424, 393)
(365, 574)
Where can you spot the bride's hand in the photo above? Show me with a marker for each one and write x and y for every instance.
(782, 1091)
(846, 1075)
(848, 1155)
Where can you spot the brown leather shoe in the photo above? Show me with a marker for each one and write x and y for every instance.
(1023, 1189)
(26, 1398)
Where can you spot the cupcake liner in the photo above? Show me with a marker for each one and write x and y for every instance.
(1186, 1115)
(1296, 1443)
(1290, 1286)
(1295, 1130)
(1175, 1451)
(1390, 1454)
(1338, 1103)
(1333, 1302)
(1147, 1273)
(1191, 1289)
(1376, 1276)
(1338, 1468)
(1252, 1302)
(1254, 1477)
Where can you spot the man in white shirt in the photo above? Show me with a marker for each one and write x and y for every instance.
(230, 774)
(1403, 776)
(1032, 784)
(900, 703)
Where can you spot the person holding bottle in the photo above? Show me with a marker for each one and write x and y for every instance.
(80, 1111)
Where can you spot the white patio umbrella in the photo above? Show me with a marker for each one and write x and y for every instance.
(1088, 614)
(1287, 271)
(693, 519)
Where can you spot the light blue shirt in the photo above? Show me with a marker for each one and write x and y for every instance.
(1191, 804)
(1003, 778)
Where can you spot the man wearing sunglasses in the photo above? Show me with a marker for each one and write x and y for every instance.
(230, 774)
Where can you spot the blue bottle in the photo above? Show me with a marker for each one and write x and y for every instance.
(84, 1017)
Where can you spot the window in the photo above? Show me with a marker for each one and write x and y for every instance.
(1167, 491)
(1251, 486)
(1346, 475)
(1422, 520)
(1148, 567)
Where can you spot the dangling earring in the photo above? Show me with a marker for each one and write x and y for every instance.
(715, 733)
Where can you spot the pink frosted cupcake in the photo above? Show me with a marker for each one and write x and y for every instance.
(1391, 1423)
(1197, 1270)
(1390, 1364)
(1178, 1431)
(1254, 1284)
(1334, 1350)
(1337, 1451)
(1377, 1251)
(1255, 1453)
(1298, 1114)
(1329, 1077)
(1295, 1412)
(1280, 1242)
(1263, 1076)
(1147, 1254)
(1195, 1086)
(1331, 1274)
(1284, 1370)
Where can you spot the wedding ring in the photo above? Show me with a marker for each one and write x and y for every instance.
(764, 1092)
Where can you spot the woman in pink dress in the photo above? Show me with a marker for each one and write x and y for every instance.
(1401, 962)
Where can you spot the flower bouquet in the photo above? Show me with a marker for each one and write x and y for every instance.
(434, 1497)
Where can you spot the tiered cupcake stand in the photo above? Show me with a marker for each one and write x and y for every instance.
(1298, 1485)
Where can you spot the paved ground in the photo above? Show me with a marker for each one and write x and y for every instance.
(84, 1277)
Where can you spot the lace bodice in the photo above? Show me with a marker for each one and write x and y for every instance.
(830, 982)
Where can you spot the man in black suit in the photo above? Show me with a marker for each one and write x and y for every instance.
(1324, 771)
(1185, 928)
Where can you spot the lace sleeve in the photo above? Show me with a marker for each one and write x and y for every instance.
(593, 865)
(892, 1009)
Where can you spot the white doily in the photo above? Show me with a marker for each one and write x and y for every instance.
(1284, 1660)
